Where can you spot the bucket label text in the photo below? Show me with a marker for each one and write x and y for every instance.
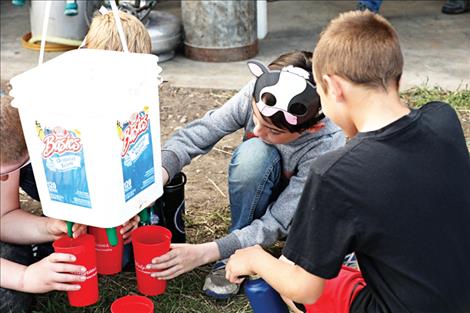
(136, 153)
(64, 165)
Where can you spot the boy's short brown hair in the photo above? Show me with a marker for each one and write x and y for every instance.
(13, 146)
(362, 47)
(103, 34)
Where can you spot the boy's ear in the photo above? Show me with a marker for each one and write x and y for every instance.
(257, 68)
(334, 87)
(316, 127)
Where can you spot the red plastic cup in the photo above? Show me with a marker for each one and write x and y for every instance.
(148, 242)
(108, 258)
(132, 304)
(83, 248)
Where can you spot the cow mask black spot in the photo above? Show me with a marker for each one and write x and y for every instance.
(288, 91)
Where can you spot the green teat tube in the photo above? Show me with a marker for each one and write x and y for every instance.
(144, 217)
(69, 229)
(112, 236)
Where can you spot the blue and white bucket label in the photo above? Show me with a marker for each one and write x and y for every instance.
(64, 165)
(136, 154)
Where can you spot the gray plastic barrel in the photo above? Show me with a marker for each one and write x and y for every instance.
(219, 31)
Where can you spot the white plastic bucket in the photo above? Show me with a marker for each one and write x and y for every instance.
(92, 126)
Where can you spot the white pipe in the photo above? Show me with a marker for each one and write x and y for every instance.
(262, 18)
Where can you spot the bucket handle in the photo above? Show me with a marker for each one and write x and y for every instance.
(45, 23)
(119, 25)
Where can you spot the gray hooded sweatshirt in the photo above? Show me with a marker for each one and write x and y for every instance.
(200, 136)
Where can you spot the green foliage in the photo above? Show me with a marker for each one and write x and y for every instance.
(459, 99)
(416, 97)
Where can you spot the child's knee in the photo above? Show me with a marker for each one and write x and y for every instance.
(253, 159)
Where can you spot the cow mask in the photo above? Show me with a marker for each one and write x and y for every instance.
(288, 91)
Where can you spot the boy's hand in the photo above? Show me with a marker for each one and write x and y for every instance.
(239, 263)
(53, 273)
(128, 227)
(182, 258)
(58, 228)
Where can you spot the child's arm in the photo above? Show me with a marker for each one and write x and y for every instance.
(290, 280)
(51, 273)
(21, 227)
(200, 136)
(274, 224)
(165, 176)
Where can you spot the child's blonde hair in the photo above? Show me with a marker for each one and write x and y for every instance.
(11, 133)
(362, 47)
(103, 34)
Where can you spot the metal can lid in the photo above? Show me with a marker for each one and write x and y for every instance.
(254, 277)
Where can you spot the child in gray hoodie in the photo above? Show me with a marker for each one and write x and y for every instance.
(285, 131)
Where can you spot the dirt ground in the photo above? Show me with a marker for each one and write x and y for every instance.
(206, 190)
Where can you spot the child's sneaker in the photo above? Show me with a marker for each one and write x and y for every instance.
(216, 285)
(456, 6)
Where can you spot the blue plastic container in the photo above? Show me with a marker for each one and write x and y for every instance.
(263, 298)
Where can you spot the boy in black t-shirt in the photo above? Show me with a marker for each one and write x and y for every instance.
(397, 194)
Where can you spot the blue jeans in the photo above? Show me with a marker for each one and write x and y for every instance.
(372, 5)
(253, 181)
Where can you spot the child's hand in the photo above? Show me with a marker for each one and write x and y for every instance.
(53, 273)
(180, 259)
(239, 263)
(128, 227)
(58, 228)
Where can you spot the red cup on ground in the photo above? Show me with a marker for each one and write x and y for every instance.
(83, 248)
(108, 258)
(148, 242)
(132, 304)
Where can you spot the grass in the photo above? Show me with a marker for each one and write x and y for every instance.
(184, 294)
(458, 99)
